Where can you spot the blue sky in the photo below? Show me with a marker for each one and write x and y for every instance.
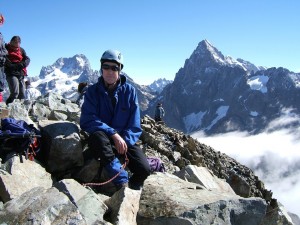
(155, 37)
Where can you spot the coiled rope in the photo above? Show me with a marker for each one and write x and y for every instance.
(111, 179)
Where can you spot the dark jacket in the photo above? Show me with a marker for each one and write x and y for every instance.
(80, 98)
(159, 112)
(98, 113)
(3, 51)
(16, 64)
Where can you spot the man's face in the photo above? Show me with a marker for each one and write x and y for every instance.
(110, 72)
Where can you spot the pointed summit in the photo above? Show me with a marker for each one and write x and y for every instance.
(206, 50)
(207, 53)
(205, 43)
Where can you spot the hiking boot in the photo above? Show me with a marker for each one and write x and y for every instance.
(120, 186)
(110, 189)
(135, 186)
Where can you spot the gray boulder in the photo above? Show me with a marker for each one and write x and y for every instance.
(41, 206)
(167, 199)
(17, 178)
(61, 146)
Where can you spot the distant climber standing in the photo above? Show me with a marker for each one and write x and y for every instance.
(3, 53)
(159, 113)
(15, 69)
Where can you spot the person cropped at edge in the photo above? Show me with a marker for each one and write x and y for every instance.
(110, 114)
(3, 53)
(159, 112)
(15, 69)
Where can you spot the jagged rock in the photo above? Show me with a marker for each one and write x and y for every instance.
(40, 111)
(93, 209)
(194, 204)
(54, 115)
(55, 102)
(19, 111)
(239, 185)
(124, 206)
(88, 202)
(88, 172)
(61, 146)
(200, 175)
(72, 189)
(177, 151)
(279, 216)
(17, 178)
(41, 206)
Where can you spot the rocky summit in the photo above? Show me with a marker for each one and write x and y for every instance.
(63, 184)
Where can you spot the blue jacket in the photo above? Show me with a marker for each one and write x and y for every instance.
(98, 114)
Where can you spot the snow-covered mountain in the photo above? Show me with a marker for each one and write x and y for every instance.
(212, 92)
(218, 94)
(206, 50)
(159, 85)
(65, 74)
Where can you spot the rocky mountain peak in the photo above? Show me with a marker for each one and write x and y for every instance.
(64, 75)
(158, 85)
(218, 94)
(76, 61)
(205, 48)
(205, 51)
(71, 66)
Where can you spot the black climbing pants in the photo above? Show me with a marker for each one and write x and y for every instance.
(102, 147)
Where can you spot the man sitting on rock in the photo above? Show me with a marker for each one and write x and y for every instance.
(110, 114)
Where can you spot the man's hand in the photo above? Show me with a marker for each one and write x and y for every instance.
(120, 144)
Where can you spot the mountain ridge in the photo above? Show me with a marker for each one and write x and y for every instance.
(230, 96)
(211, 92)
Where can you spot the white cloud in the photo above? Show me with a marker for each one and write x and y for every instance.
(274, 158)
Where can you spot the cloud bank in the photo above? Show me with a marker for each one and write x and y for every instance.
(273, 156)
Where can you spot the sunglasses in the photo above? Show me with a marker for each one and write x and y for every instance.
(113, 68)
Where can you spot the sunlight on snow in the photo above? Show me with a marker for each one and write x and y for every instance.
(258, 83)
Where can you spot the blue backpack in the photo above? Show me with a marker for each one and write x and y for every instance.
(18, 137)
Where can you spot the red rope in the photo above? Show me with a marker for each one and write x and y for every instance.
(111, 179)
